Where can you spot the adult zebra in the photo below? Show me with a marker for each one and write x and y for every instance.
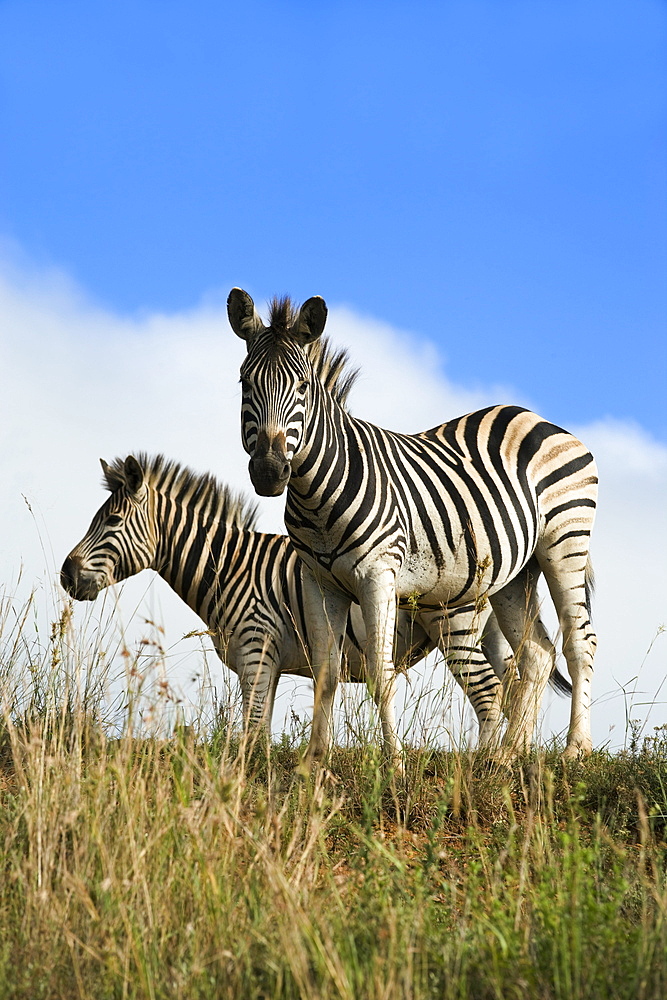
(474, 509)
(245, 585)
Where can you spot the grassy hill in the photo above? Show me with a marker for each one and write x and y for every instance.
(199, 866)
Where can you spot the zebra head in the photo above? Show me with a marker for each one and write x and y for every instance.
(277, 381)
(120, 540)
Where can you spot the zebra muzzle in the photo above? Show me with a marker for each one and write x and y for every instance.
(79, 584)
(269, 467)
(269, 475)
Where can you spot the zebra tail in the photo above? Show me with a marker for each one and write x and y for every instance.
(560, 683)
(589, 585)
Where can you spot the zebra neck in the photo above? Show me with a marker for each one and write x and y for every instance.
(195, 554)
(323, 457)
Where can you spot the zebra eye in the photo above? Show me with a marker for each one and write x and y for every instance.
(113, 521)
(245, 385)
(301, 388)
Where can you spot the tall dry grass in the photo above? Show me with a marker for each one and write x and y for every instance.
(195, 864)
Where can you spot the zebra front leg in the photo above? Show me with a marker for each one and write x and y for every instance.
(256, 663)
(457, 632)
(258, 688)
(326, 614)
(377, 599)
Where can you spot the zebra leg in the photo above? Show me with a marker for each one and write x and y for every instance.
(257, 666)
(326, 614)
(517, 610)
(378, 607)
(457, 632)
(495, 647)
(569, 589)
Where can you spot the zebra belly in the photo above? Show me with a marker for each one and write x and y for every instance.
(413, 579)
(419, 580)
(458, 574)
(446, 589)
(455, 586)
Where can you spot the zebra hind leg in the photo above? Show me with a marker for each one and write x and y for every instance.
(497, 650)
(517, 610)
(457, 632)
(570, 590)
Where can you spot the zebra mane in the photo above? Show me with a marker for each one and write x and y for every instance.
(177, 481)
(331, 366)
(333, 369)
(282, 315)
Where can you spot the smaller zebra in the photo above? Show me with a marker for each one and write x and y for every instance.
(246, 586)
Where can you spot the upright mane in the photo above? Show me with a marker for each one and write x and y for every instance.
(331, 366)
(333, 369)
(282, 315)
(196, 489)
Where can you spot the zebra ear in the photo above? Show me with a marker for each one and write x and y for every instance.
(310, 321)
(113, 480)
(134, 474)
(243, 317)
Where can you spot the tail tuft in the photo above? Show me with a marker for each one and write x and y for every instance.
(589, 585)
(560, 684)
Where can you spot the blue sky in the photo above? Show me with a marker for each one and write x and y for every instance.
(487, 175)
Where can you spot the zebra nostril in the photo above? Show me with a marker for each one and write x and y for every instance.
(285, 471)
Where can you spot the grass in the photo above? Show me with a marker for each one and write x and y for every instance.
(197, 865)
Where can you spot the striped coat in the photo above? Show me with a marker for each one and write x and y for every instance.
(247, 586)
(445, 521)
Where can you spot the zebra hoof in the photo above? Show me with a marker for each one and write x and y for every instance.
(500, 759)
(303, 769)
(573, 751)
(308, 765)
(397, 769)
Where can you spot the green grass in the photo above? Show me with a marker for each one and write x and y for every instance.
(198, 866)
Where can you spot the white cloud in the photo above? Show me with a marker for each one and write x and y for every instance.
(401, 382)
(624, 450)
(80, 383)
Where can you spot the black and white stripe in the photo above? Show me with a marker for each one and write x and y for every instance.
(200, 538)
(246, 586)
(445, 521)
